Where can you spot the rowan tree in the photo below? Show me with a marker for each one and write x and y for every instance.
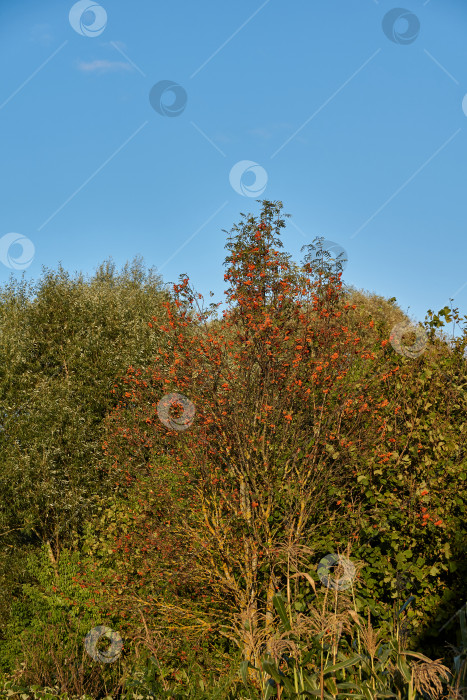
(277, 431)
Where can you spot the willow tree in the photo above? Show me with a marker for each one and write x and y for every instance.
(63, 341)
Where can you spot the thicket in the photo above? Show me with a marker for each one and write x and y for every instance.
(267, 503)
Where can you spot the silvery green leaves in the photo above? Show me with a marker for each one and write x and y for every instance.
(112, 653)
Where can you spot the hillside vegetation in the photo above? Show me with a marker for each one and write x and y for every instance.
(271, 502)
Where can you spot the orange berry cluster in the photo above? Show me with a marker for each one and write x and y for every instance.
(426, 517)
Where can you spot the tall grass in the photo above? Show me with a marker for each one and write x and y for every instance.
(330, 651)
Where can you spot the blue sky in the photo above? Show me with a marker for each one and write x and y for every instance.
(359, 130)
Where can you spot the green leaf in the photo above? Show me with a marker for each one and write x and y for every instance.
(330, 684)
(343, 664)
(349, 686)
(406, 604)
(367, 692)
(244, 666)
(463, 624)
(417, 655)
(273, 671)
(278, 602)
(404, 669)
(271, 691)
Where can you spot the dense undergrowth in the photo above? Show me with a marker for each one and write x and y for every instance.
(291, 524)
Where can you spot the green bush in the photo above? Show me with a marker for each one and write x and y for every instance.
(44, 637)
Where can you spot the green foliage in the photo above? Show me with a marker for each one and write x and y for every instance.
(390, 489)
(64, 341)
(44, 637)
(382, 668)
(62, 347)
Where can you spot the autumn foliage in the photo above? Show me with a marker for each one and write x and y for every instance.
(239, 452)
(291, 405)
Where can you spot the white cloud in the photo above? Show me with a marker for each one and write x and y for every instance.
(269, 131)
(102, 66)
(41, 34)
